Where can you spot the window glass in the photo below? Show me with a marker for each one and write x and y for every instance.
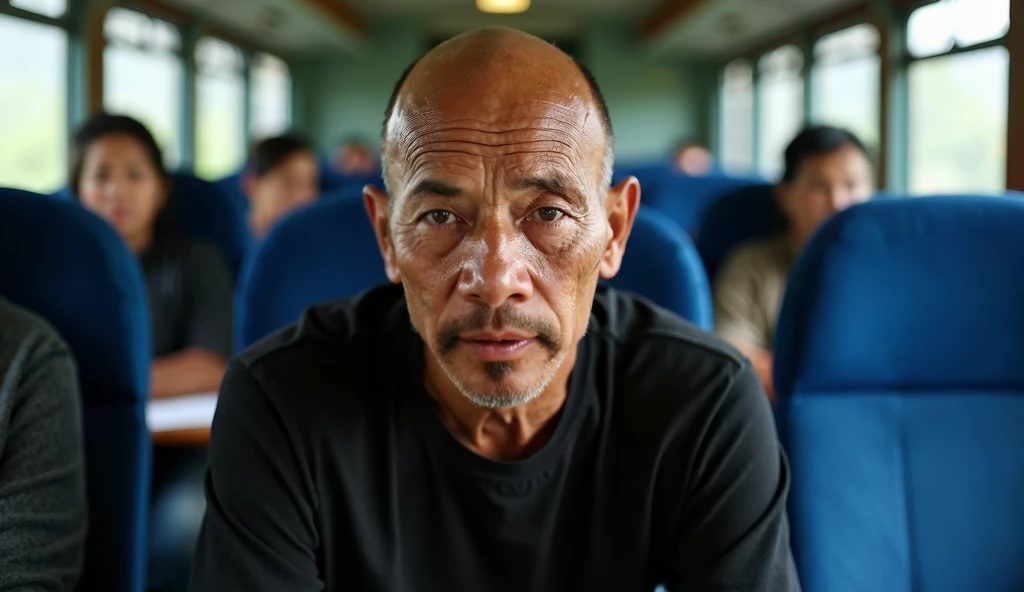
(781, 106)
(737, 114)
(937, 28)
(33, 104)
(271, 96)
(142, 76)
(958, 106)
(50, 8)
(220, 95)
(846, 76)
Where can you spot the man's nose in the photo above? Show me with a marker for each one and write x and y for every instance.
(496, 271)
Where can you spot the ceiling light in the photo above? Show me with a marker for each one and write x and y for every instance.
(503, 6)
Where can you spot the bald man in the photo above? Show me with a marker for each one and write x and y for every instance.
(532, 432)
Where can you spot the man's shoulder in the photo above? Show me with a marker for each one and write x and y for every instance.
(767, 254)
(26, 336)
(654, 336)
(346, 331)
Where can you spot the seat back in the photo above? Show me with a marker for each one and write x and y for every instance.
(323, 252)
(71, 267)
(899, 370)
(685, 199)
(735, 218)
(662, 265)
(205, 212)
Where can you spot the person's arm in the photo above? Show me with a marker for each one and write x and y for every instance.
(200, 366)
(259, 533)
(740, 320)
(42, 477)
(734, 532)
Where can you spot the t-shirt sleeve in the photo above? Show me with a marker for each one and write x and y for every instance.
(258, 533)
(739, 318)
(211, 291)
(42, 476)
(734, 531)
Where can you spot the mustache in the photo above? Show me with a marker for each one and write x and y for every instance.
(506, 317)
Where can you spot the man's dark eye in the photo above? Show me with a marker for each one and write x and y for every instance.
(440, 217)
(549, 214)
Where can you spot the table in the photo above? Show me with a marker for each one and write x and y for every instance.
(181, 421)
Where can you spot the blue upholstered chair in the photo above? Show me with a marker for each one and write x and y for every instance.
(71, 267)
(899, 369)
(745, 214)
(322, 252)
(662, 265)
(204, 211)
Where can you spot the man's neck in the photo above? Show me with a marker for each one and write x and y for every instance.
(504, 434)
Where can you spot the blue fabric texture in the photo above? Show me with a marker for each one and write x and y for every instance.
(204, 211)
(742, 215)
(900, 382)
(71, 267)
(323, 252)
(662, 265)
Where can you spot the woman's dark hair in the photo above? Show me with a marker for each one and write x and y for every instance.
(269, 153)
(106, 124)
(816, 140)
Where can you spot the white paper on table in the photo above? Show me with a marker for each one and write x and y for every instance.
(181, 413)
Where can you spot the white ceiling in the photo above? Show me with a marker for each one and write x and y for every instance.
(721, 27)
(287, 26)
(713, 28)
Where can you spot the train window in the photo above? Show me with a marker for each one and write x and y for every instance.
(781, 106)
(33, 104)
(142, 75)
(937, 28)
(220, 90)
(845, 80)
(271, 96)
(737, 121)
(50, 8)
(958, 106)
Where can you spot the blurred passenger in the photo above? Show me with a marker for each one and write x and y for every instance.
(42, 469)
(356, 158)
(693, 159)
(283, 175)
(827, 170)
(117, 172)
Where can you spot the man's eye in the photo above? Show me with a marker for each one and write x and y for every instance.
(548, 214)
(440, 217)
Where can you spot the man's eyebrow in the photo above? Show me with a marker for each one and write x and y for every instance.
(553, 184)
(430, 187)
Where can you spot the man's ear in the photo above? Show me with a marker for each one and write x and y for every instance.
(376, 202)
(622, 203)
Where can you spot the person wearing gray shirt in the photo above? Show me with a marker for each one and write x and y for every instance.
(42, 466)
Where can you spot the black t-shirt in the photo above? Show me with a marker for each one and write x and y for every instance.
(190, 293)
(330, 469)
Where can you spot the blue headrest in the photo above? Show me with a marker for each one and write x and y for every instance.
(73, 269)
(54, 252)
(685, 199)
(903, 285)
(737, 217)
(322, 252)
(204, 211)
(661, 264)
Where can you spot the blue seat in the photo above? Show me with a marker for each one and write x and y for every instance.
(899, 369)
(662, 265)
(72, 268)
(322, 252)
(734, 218)
(204, 211)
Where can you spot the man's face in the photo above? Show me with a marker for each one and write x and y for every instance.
(498, 226)
(825, 184)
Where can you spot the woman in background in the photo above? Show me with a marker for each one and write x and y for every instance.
(283, 175)
(117, 172)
